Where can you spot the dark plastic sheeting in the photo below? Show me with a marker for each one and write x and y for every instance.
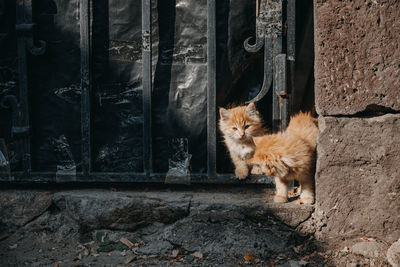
(8, 77)
(179, 35)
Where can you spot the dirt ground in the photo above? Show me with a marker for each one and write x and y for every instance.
(186, 228)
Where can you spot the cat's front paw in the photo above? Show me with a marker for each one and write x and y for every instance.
(242, 172)
(280, 199)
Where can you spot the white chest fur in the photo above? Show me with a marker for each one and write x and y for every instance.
(243, 151)
(246, 152)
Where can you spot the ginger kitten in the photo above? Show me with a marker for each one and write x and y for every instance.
(288, 156)
(238, 126)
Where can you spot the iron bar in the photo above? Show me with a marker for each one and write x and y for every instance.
(126, 177)
(211, 91)
(291, 50)
(281, 89)
(286, 97)
(23, 16)
(147, 87)
(291, 30)
(276, 90)
(85, 84)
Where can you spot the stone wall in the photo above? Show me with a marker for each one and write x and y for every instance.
(357, 55)
(357, 74)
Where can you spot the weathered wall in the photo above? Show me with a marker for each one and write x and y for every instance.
(357, 55)
(358, 185)
(357, 73)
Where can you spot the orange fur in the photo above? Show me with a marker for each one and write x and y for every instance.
(304, 126)
(289, 155)
(238, 126)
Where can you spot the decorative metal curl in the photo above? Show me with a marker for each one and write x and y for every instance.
(13, 105)
(260, 36)
(26, 31)
(268, 32)
(36, 50)
(12, 99)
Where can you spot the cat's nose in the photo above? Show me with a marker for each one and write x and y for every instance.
(241, 134)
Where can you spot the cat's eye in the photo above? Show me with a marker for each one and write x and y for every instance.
(247, 126)
(234, 128)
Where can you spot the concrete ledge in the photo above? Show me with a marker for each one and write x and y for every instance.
(203, 227)
(127, 210)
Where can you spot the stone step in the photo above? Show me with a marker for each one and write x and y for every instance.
(223, 226)
(127, 209)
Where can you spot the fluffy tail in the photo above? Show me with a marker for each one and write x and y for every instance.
(305, 126)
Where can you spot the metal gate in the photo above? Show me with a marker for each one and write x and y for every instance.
(275, 31)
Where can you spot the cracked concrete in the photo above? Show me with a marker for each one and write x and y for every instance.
(190, 227)
(85, 227)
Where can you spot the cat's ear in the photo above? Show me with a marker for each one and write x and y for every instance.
(224, 114)
(252, 112)
(257, 140)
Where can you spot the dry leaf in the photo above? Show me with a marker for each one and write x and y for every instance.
(323, 255)
(299, 201)
(56, 265)
(297, 249)
(273, 263)
(248, 257)
(239, 262)
(138, 244)
(88, 243)
(126, 242)
(128, 260)
(311, 255)
(172, 261)
(367, 239)
(103, 237)
(13, 246)
(175, 253)
(281, 257)
(113, 189)
(175, 260)
(198, 254)
(292, 194)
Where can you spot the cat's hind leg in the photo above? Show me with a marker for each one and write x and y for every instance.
(281, 195)
(307, 190)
